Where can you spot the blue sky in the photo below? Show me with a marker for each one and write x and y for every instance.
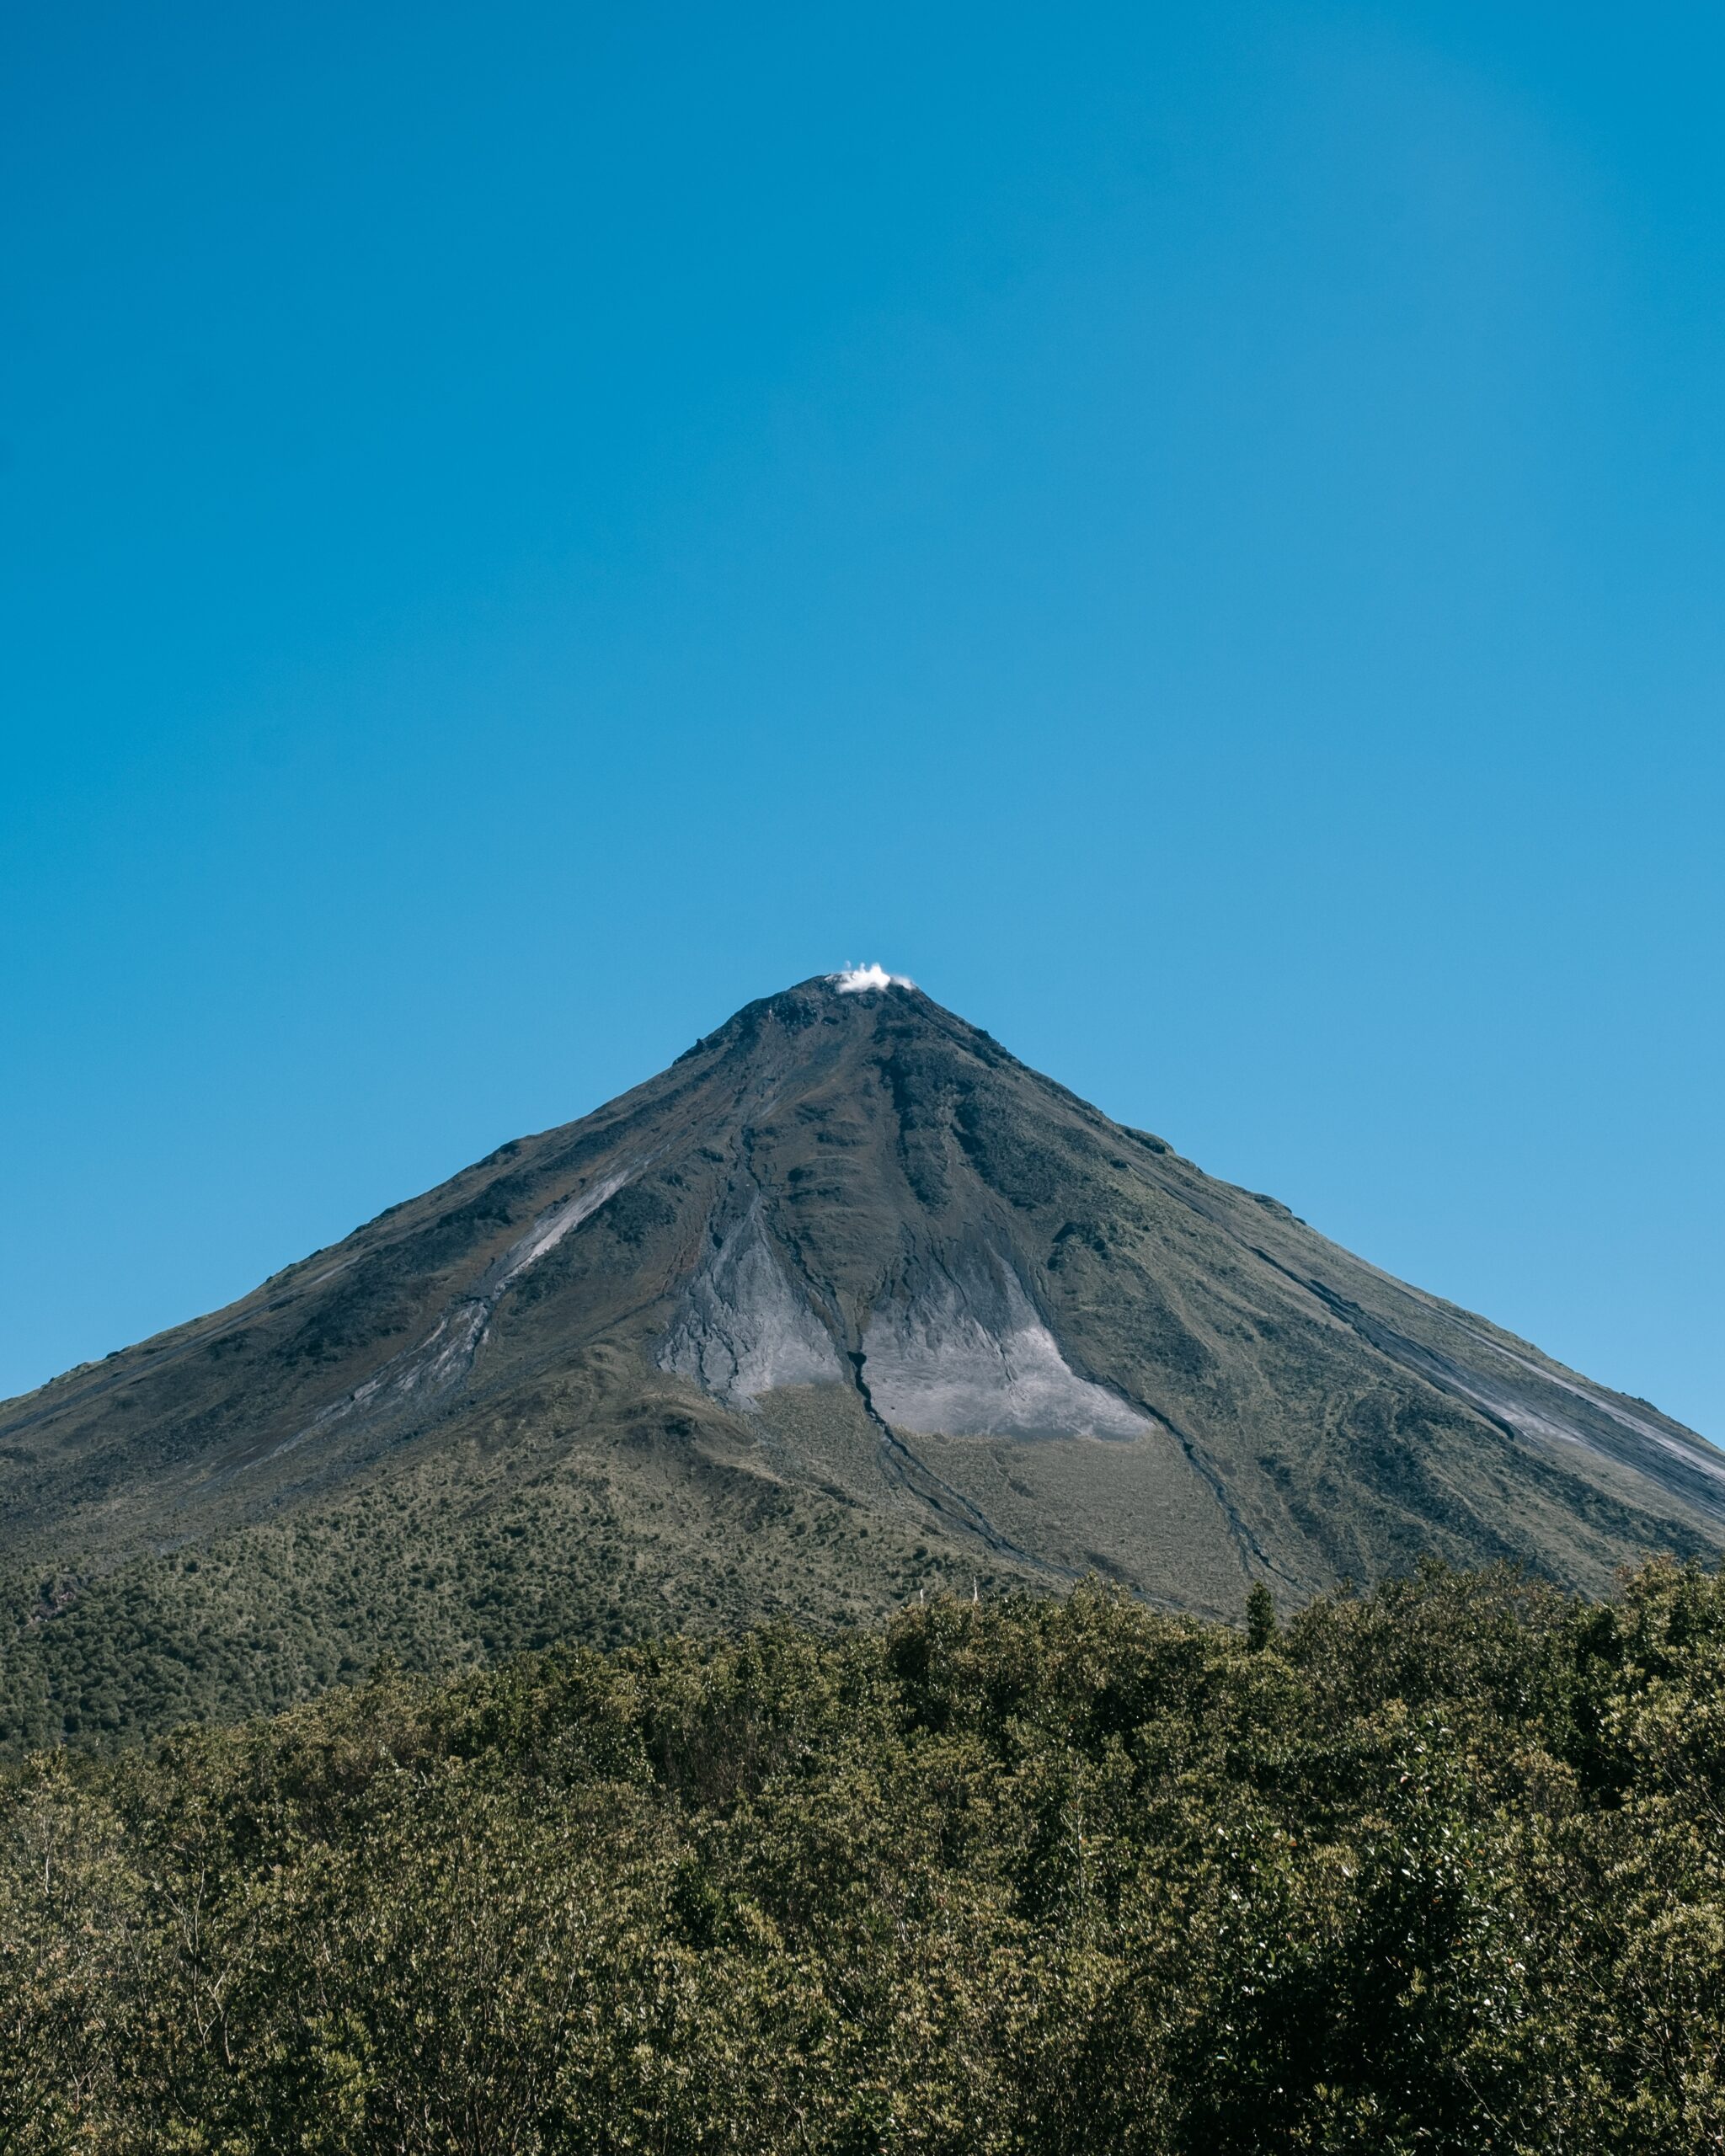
(1194, 532)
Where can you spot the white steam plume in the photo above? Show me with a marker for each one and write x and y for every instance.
(856, 977)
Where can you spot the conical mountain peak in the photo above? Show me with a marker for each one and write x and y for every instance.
(848, 1252)
(815, 1015)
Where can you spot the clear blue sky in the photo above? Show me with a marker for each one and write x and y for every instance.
(1193, 531)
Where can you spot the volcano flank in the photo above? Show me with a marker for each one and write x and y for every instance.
(846, 1304)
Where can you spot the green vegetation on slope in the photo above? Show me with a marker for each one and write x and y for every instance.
(454, 1559)
(1439, 1869)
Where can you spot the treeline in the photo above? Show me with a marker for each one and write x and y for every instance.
(1439, 1868)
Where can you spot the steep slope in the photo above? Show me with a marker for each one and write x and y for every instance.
(847, 1298)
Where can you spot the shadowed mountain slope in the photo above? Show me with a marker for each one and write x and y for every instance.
(846, 1300)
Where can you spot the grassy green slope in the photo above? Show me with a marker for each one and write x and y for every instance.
(471, 1550)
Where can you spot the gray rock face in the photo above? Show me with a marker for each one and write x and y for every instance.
(445, 1356)
(742, 1329)
(968, 1356)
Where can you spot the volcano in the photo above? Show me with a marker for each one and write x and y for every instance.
(846, 1303)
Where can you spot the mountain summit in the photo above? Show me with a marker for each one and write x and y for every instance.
(845, 1301)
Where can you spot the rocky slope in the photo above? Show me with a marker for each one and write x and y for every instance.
(846, 1300)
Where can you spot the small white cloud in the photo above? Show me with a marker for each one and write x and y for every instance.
(854, 978)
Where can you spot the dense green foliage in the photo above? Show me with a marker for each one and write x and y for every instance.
(1440, 1867)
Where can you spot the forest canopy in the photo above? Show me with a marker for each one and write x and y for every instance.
(1438, 1867)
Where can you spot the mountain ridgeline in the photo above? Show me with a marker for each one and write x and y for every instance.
(847, 1303)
